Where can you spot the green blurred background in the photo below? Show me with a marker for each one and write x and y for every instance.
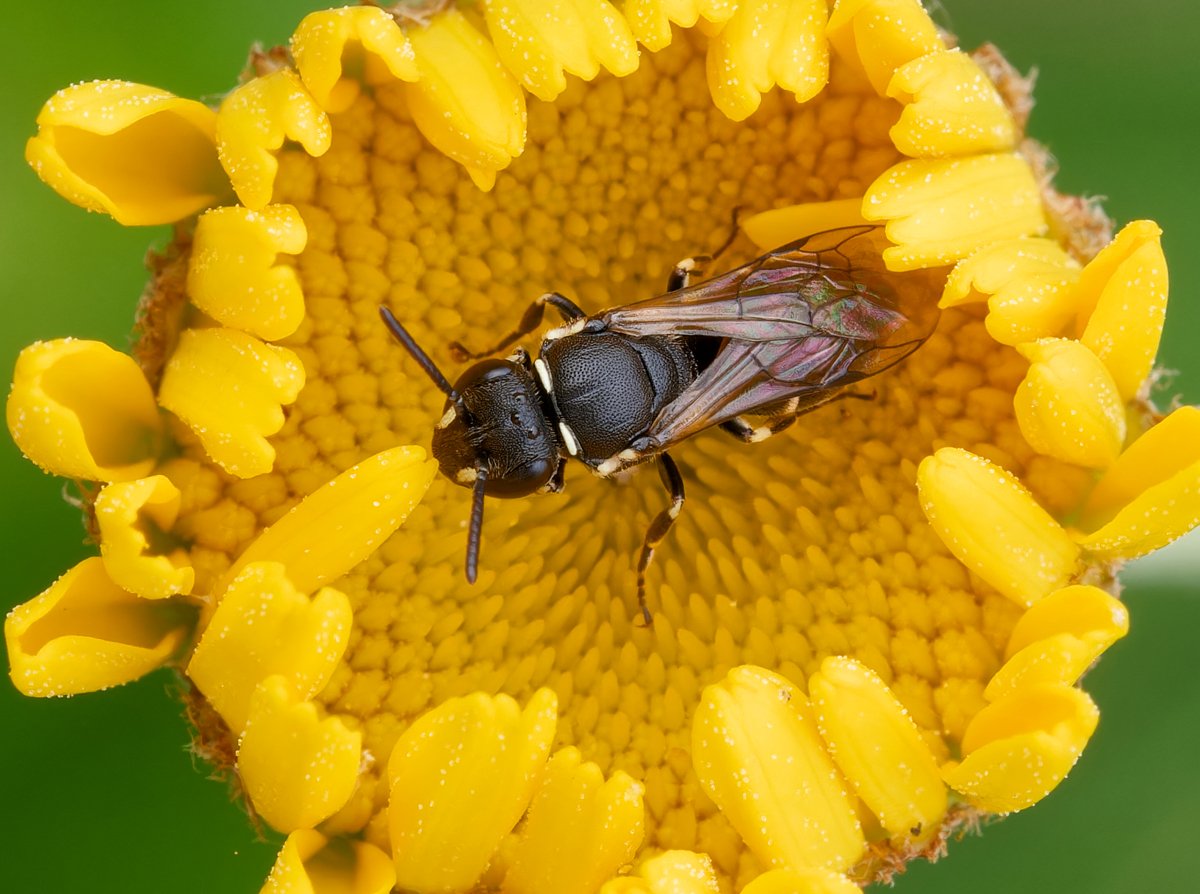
(99, 793)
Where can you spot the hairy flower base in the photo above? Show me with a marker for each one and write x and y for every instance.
(866, 630)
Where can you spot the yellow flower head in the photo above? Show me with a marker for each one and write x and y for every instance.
(861, 635)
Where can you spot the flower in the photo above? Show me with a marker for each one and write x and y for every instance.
(280, 385)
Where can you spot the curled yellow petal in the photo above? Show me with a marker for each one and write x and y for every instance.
(678, 872)
(992, 524)
(1018, 749)
(1123, 295)
(466, 102)
(951, 108)
(134, 519)
(82, 410)
(1080, 610)
(779, 226)
(143, 155)
(460, 777)
(879, 36)
(232, 271)
(297, 767)
(341, 523)
(580, 829)
(1068, 406)
(759, 756)
(801, 881)
(332, 42)
(84, 633)
(878, 748)
(1061, 658)
(650, 20)
(1149, 496)
(230, 388)
(310, 863)
(941, 210)
(1029, 285)
(538, 39)
(252, 124)
(764, 43)
(264, 625)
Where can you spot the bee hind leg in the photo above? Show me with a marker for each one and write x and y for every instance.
(753, 434)
(530, 320)
(673, 481)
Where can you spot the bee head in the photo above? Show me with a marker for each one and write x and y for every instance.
(493, 438)
(494, 421)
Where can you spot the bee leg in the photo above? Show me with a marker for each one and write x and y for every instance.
(683, 272)
(673, 481)
(753, 434)
(688, 268)
(530, 320)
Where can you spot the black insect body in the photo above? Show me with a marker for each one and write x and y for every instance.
(774, 338)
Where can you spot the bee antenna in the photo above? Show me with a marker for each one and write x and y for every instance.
(476, 528)
(420, 356)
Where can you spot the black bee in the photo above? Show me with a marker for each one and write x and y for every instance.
(774, 338)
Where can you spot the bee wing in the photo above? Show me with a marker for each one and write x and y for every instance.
(806, 318)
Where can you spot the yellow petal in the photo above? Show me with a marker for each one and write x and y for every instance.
(134, 518)
(878, 748)
(329, 43)
(82, 410)
(650, 20)
(941, 210)
(229, 388)
(779, 226)
(460, 777)
(992, 524)
(879, 36)
(538, 39)
(309, 863)
(84, 633)
(759, 756)
(1029, 285)
(679, 872)
(1079, 610)
(232, 272)
(1124, 302)
(466, 103)
(143, 155)
(768, 42)
(1158, 516)
(252, 124)
(297, 767)
(1020, 748)
(951, 108)
(581, 828)
(1061, 658)
(1153, 471)
(1067, 405)
(263, 626)
(801, 881)
(341, 523)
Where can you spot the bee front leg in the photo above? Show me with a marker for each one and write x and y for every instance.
(530, 320)
(673, 481)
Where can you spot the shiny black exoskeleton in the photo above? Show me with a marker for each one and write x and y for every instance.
(776, 337)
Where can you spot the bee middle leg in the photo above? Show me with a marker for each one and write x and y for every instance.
(683, 273)
(673, 481)
(789, 413)
(530, 320)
